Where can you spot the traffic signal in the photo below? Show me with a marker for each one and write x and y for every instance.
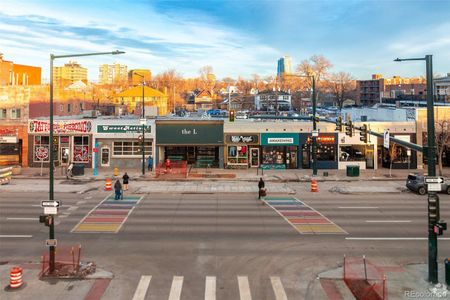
(363, 134)
(339, 125)
(232, 115)
(439, 228)
(349, 128)
(47, 220)
(433, 209)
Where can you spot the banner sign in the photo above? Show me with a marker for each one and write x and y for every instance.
(280, 139)
(122, 129)
(38, 126)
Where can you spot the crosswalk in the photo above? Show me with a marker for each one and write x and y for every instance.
(143, 288)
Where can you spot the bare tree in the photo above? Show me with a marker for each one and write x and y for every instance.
(316, 65)
(392, 156)
(341, 85)
(207, 77)
(442, 140)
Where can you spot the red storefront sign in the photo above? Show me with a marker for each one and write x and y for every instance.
(323, 139)
(37, 126)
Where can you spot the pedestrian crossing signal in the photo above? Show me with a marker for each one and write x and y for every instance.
(232, 115)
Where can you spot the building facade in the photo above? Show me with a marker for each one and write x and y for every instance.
(284, 66)
(109, 74)
(273, 101)
(132, 100)
(69, 74)
(442, 88)
(15, 74)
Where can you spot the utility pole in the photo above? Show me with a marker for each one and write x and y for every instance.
(143, 122)
(314, 138)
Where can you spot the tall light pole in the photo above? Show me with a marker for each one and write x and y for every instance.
(51, 195)
(314, 119)
(143, 123)
(430, 152)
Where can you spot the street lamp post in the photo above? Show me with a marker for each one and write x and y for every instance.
(431, 157)
(143, 124)
(51, 195)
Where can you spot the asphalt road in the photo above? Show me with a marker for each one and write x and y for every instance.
(242, 246)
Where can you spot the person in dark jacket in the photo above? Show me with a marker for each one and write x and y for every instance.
(125, 178)
(117, 189)
(261, 188)
(150, 163)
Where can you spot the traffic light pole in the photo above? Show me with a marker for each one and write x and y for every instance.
(314, 138)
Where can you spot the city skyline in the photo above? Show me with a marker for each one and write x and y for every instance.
(359, 37)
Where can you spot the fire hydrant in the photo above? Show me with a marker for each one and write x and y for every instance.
(116, 171)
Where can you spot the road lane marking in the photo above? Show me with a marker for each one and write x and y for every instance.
(278, 289)
(244, 288)
(210, 288)
(142, 288)
(388, 221)
(175, 290)
(23, 219)
(14, 236)
(358, 207)
(392, 239)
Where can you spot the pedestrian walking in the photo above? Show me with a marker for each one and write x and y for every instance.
(150, 163)
(125, 178)
(117, 189)
(261, 188)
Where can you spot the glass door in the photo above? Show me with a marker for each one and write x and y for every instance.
(65, 156)
(105, 157)
(305, 157)
(254, 157)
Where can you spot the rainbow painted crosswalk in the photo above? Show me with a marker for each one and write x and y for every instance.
(108, 216)
(302, 217)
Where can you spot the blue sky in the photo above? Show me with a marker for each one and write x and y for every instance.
(238, 37)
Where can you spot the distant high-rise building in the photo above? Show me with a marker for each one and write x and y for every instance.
(14, 74)
(135, 79)
(284, 66)
(68, 74)
(109, 74)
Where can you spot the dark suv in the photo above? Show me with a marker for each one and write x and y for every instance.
(416, 183)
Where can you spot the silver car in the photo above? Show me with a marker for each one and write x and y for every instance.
(416, 183)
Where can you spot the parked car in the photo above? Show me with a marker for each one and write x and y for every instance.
(416, 183)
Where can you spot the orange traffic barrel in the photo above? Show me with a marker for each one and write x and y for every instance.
(314, 187)
(15, 277)
(108, 184)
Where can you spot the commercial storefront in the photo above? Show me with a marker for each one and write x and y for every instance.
(200, 143)
(327, 149)
(397, 156)
(352, 151)
(279, 150)
(13, 145)
(118, 143)
(72, 142)
(242, 150)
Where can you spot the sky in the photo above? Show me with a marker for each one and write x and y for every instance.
(235, 37)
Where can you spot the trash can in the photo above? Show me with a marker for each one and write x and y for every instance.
(353, 171)
(78, 170)
(447, 271)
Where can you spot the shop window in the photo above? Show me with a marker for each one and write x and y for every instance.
(69, 108)
(41, 148)
(3, 113)
(15, 113)
(326, 153)
(131, 148)
(273, 155)
(352, 153)
(238, 155)
(81, 148)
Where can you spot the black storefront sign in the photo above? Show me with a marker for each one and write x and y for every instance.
(242, 139)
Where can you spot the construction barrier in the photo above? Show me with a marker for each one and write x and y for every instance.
(15, 277)
(5, 175)
(314, 187)
(108, 184)
(176, 168)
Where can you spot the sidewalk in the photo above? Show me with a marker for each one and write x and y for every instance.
(297, 175)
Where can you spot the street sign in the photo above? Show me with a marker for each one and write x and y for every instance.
(315, 133)
(50, 210)
(51, 242)
(434, 180)
(434, 187)
(386, 139)
(50, 203)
